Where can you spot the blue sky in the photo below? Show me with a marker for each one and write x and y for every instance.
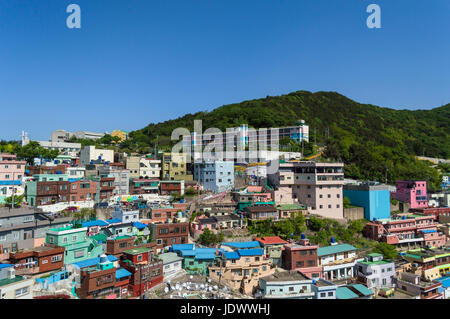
(134, 62)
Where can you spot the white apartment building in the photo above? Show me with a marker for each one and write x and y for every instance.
(90, 153)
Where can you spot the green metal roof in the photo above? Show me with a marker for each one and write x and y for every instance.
(334, 249)
(100, 237)
(345, 293)
(139, 250)
(8, 281)
(169, 257)
(379, 262)
(363, 289)
(374, 255)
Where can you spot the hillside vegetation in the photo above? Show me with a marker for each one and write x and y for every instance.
(374, 142)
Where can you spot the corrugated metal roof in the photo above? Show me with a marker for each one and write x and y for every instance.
(334, 249)
(243, 244)
(205, 256)
(445, 281)
(231, 255)
(113, 220)
(176, 247)
(2, 266)
(169, 257)
(94, 223)
(139, 225)
(251, 252)
(363, 289)
(345, 293)
(93, 261)
(121, 272)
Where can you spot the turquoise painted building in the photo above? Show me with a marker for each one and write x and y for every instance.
(78, 246)
(374, 198)
(196, 260)
(31, 186)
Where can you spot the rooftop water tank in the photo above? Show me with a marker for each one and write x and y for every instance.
(333, 240)
(303, 236)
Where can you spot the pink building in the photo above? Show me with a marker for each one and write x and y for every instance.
(412, 192)
(406, 231)
(10, 168)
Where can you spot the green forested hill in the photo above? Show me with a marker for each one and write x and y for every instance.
(371, 140)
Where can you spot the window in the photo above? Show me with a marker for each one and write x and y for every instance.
(323, 294)
(330, 294)
(56, 258)
(79, 254)
(21, 291)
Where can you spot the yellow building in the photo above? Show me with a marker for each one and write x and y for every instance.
(123, 135)
(174, 167)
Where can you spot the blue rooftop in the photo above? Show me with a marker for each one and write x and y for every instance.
(445, 281)
(243, 244)
(2, 266)
(114, 220)
(93, 261)
(205, 256)
(94, 223)
(231, 255)
(121, 272)
(251, 252)
(428, 231)
(139, 225)
(16, 182)
(199, 253)
(176, 247)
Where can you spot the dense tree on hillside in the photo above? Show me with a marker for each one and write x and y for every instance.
(375, 143)
(34, 150)
(388, 251)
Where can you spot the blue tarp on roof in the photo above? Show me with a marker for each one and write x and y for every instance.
(187, 252)
(139, 225)
(199, 253)
(17, 182)
(94, 223)
(121, 272)
(251, 252)
(176, 247)
(427, 231)
(93, 261)
(243, 244)
(2, 266)
(113, 220)
(445, 281)
(205, 256)
(231, 255)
